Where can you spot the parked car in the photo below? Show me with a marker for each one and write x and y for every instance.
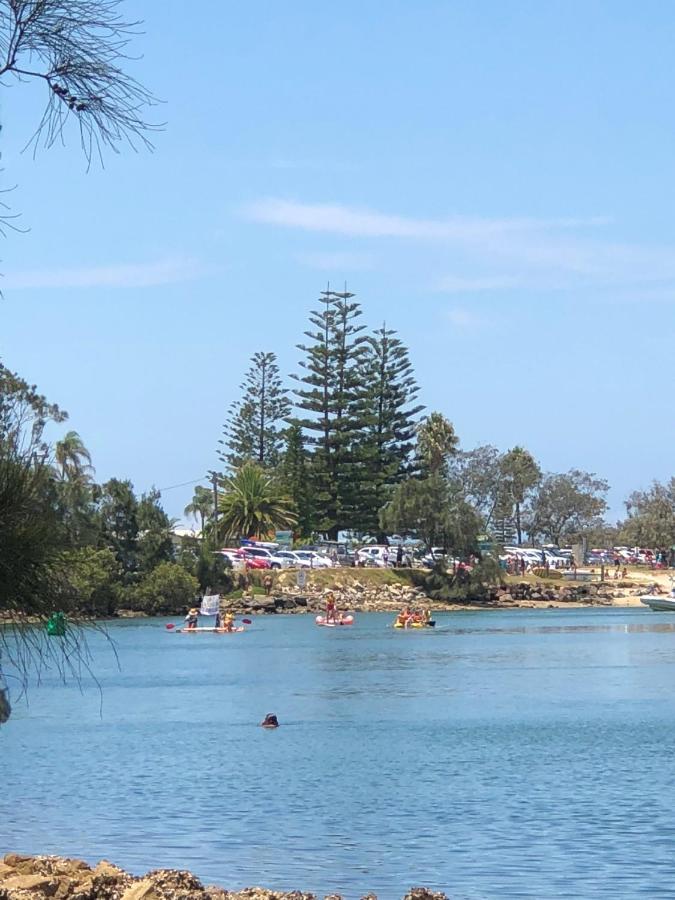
(376, 555)
(241, 558)
(316, 560)
(275, 561)
(293, 560)
(435, 555)
(237, 560)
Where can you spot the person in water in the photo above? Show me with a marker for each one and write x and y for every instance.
(192, 617)
(270, 721)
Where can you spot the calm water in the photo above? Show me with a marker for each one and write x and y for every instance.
(506, 754)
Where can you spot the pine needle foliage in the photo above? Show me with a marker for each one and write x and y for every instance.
(254, 430)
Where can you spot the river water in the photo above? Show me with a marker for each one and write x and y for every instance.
(505, 754)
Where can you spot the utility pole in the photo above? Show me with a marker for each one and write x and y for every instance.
(214, 480)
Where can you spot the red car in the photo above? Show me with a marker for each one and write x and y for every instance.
(251, 561)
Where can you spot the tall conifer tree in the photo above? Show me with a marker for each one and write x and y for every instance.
(294, 474)
(254, 430)
(388, 439)
(330, 401)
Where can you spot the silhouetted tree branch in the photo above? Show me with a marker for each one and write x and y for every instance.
(77, 48)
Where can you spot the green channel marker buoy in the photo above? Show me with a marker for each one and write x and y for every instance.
(56, 625)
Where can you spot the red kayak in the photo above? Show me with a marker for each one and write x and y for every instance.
(342, 620)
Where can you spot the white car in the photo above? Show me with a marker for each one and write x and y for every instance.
(315, 560)
(237, 561)
(293, 561)
(275, 561)
(376, 556)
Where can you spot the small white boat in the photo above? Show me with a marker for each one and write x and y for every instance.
(657, 603)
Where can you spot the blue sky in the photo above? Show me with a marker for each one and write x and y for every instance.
(495, 180)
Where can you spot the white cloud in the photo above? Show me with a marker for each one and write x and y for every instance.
(117, 275)
(352, 222)
(495, 253)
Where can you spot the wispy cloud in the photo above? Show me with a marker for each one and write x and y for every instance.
(337, 261)
(116, 275)
(353, 222)
(494, 254)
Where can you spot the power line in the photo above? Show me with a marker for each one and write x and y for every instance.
(182, 484)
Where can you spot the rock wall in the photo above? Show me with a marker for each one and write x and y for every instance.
(56, 878)
(352, 596)
(360, 597)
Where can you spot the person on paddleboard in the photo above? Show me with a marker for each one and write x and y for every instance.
(192, 617)
(270, 721)
(331, 610)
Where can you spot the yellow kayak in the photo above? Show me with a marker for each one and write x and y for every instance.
(429, 624)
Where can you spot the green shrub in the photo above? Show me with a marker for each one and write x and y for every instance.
(167, 590)
(86, 580)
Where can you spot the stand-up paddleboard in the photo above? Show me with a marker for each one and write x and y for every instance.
(343, 620)
(208, 630)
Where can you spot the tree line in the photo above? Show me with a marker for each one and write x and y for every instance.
(345, 444)
(70, 543)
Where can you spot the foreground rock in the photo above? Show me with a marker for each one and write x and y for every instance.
(32, 877)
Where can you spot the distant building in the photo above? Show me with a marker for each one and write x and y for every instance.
(178, 532)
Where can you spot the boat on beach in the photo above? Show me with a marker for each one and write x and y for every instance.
(657, 603)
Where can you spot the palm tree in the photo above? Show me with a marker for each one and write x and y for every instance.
(436, 441)
(252, 504)
(73, 458)
(200, 506)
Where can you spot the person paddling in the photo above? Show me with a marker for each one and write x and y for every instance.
(330, 608)
(192, 618)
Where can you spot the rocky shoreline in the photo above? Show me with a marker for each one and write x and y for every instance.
(359, 597)
(58, 878)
